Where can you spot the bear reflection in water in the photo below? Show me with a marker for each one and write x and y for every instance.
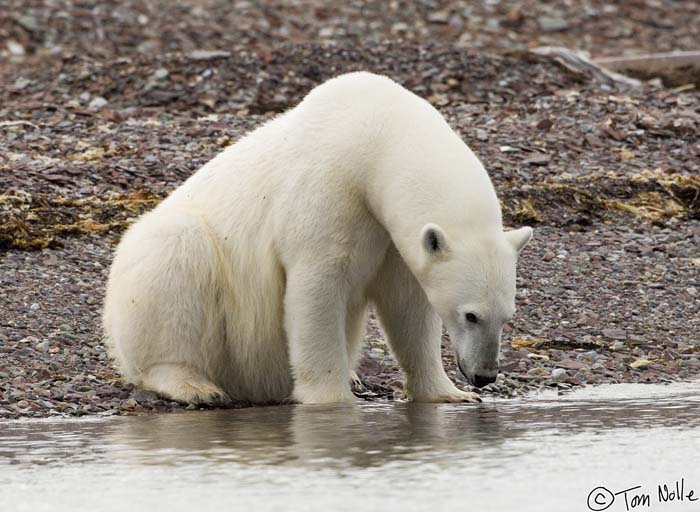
(325, 435)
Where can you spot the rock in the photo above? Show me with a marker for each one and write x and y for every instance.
(143, 396)
(439, 17)
(581, 377)
(589, 357)
(618, 345)
(28, 23)
(552, 23)
(160, 74)
(129, 404)
(22, 83)
(538, 159)
(559, 374)
(549, 256)
(43, 346)
(641, 364)
(570, 364)
(614, 334)
(30, 339)
(97, 102)
(34, 306)
(208, 54)
(15, 48)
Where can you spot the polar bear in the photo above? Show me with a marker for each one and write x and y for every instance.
(252, 280)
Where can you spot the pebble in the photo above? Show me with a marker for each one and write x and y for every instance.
(614, 334)
(552, 23)
(590, 356)
(98, 102)
(160, 73)
(130, 404)
(559, 374)
(641, 364)
(21, 83)
(618, 345)
(581, 377)
(43, 346)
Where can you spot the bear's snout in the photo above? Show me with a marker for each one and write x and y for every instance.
(482, 380)
(478, 379)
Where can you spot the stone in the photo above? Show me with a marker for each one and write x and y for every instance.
(97, 102)
(22, 83)
(590, 356)
(641, 364)
(160, 73)
(559, 374)
(614, 334)
(552, 23)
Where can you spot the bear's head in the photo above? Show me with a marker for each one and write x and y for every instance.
(470, 282)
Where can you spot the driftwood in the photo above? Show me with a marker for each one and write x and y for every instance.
(675, 68)
(652, 63)
(580, 62)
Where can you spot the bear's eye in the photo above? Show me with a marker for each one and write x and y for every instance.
(471, 318)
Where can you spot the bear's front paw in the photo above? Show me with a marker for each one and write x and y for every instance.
(321, 395)
(453, 396)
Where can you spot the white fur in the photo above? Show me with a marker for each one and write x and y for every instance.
(252, 279)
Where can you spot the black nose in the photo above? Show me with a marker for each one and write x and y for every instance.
(482, 380)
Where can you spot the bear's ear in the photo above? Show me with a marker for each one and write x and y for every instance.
(434, 240)
(519, 238)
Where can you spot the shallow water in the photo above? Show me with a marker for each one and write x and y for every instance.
(546, 452)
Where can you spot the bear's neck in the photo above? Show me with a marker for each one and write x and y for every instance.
(446, 185)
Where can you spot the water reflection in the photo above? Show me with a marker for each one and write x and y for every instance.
(343, 435)
(356, 435)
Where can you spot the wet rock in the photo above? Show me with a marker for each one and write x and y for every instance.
(129, 404)
(559, 374)
(143, 396)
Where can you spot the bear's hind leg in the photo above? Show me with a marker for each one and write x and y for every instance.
(183, 384)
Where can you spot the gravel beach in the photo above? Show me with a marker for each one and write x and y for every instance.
(104, 110)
